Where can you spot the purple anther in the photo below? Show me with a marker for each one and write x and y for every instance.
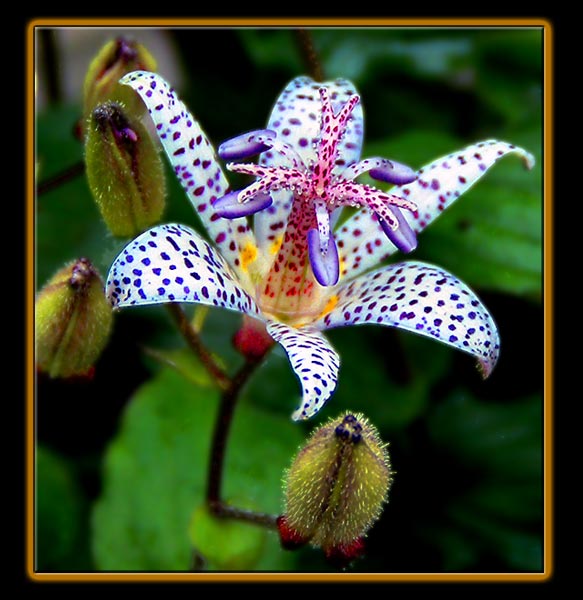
(229, 206)
(325, 266)
(246, 145)
(126, 134)
(403, 237)
(393, 172)
(125, 51)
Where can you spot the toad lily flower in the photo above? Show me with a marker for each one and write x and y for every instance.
(293, 269)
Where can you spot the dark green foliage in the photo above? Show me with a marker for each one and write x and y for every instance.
(468, 492)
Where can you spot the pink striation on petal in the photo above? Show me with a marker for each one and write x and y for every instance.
(296, 118)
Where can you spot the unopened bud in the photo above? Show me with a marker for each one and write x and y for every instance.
(113, 61)
(336, 488)
(252, 339)
(124, 170)
(73, 321)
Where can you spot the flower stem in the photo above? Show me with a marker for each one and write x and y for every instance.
(309, 54)
(60, 178)
(231, 388)
(221, 509)
(195, 343)
(221, 433)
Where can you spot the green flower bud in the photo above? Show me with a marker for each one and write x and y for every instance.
(73, 321)
(113, 61)
(336, 487)
(124, 170)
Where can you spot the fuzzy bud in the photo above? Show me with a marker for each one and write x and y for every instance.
(124, 170)
(73, 321)
(113, 61)
(335, 489)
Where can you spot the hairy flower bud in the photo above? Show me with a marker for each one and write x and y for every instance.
(124, 170)
(113, 61)
(335, 488)
(73, 321)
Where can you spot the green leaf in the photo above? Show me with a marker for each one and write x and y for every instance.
(494, 457)
(184, 362)
(502, 438)
(388, 375)
(436, 55)
(521, 549)
(509, 74)
(226, 545)
(155, 473)
(61, 543)
(271, 48)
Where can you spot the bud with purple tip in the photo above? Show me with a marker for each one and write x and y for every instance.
(336, 488)
(115, 59)
(73, 321)
(124, 170)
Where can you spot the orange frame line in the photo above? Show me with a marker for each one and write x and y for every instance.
(548, 298)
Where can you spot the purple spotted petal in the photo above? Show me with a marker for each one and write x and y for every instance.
(361, 240)
(246, 145)
(296, 120)
(423, 299)
(229, 207)
(193, 159)
(315, 363)
(172, 263)
(324, 265)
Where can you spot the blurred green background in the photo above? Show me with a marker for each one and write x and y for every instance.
(121, 459)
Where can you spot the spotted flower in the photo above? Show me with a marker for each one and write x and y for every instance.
(291, 265)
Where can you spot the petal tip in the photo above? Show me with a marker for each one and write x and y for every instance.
(299, 415)
(485, 367)
(529, 161)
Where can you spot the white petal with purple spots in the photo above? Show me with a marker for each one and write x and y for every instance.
(172, 263)
(423, 299)
(361, 241)
(296, 120)
(194, 161)
(315, 363)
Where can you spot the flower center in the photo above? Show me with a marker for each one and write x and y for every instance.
(305, 270)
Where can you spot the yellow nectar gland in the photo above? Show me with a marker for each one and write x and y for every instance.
(276, 245)
(332, 302)
(248, 255)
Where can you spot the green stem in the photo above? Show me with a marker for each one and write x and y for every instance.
(221, 434)
(195, 343)
(60, 178)
(220, 509)
(309, 55)
(232, 388)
